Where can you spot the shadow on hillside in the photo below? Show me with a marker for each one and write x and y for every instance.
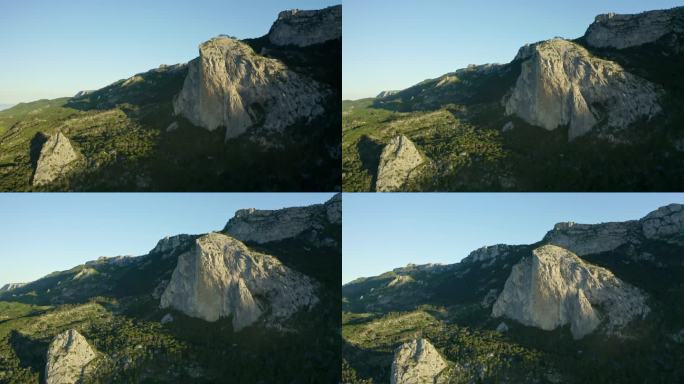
(368, 363)
(31, 352)
(35, 146)
(369, 153)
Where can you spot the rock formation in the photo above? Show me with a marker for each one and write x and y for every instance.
(10, 287)
(55, 160)
(562, 84)
(230, 86)
(304, 28)
(664, 223)
(623, 31)
(170, 243)
(553, 287)
(68, 355)
(398, 162)
(585, 239)
(220, 277)
(386, 94)
(417, 362)
(262, 226)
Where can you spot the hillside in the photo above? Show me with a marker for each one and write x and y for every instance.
(592, 303)
(197, 308)
(164, 130)
(598, 113)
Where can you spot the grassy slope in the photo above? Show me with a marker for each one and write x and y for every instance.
(527, 158)
(121, 132)
(450, 315)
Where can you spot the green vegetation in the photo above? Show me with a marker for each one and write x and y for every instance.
(457, 120)
(122, 133)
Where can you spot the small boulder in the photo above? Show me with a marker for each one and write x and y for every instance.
(399, 161)
(502, 327)
(68, 355)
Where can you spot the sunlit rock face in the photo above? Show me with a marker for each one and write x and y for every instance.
(55, 160)
(221, 277)
(562, 84)
(417, 362)
(399, 161)
(623, 31)
(68, 355)
(554, 287)
(231, 86)
(304, 28)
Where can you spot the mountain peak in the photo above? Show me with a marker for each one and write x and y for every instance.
(304, 28)
(623, 31)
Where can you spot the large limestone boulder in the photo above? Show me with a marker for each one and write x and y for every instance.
(418, 362)
(68, 355)
(220, 277)
(399, 161)
(623, 31)
(554, 287)
(55, 160)
(561, 84)
(304, 28)
(263, 226)
(230, 86)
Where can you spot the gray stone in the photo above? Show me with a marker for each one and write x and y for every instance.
(418, 362)
(68, 355)
(55, 160)
(399, 161)
(561, 84)
(553, 287)
(263, 226)
(231, 86)
(304, 28)
(221, 277)
(623, 31)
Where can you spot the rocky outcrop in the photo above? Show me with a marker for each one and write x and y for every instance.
(68, 355)
(386, 94)
(664, 223)
(399, 161)
(169, 243)
(489, 254)
(230, 86)
(553, 287)
(561, 84)
(623, 31)
(10, 287)
(304, 28)
(55, 160)
(418, 362)
(586, 239)
(263, 226)
(221, 277)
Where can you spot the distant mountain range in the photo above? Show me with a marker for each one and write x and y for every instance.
(600, 112)
(596, 303)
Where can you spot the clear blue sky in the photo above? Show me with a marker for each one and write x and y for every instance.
(42, 233)
(390, 44)
(53, 48)
(384, 231)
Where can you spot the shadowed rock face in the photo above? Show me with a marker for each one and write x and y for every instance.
(553, 287)
(262, 226)
(231, 86)
(398, 161)
(221, 277)
(562, 84)
(623, 31)
(417, 362)
(304, 28)
(55, 160)
(68, 355)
